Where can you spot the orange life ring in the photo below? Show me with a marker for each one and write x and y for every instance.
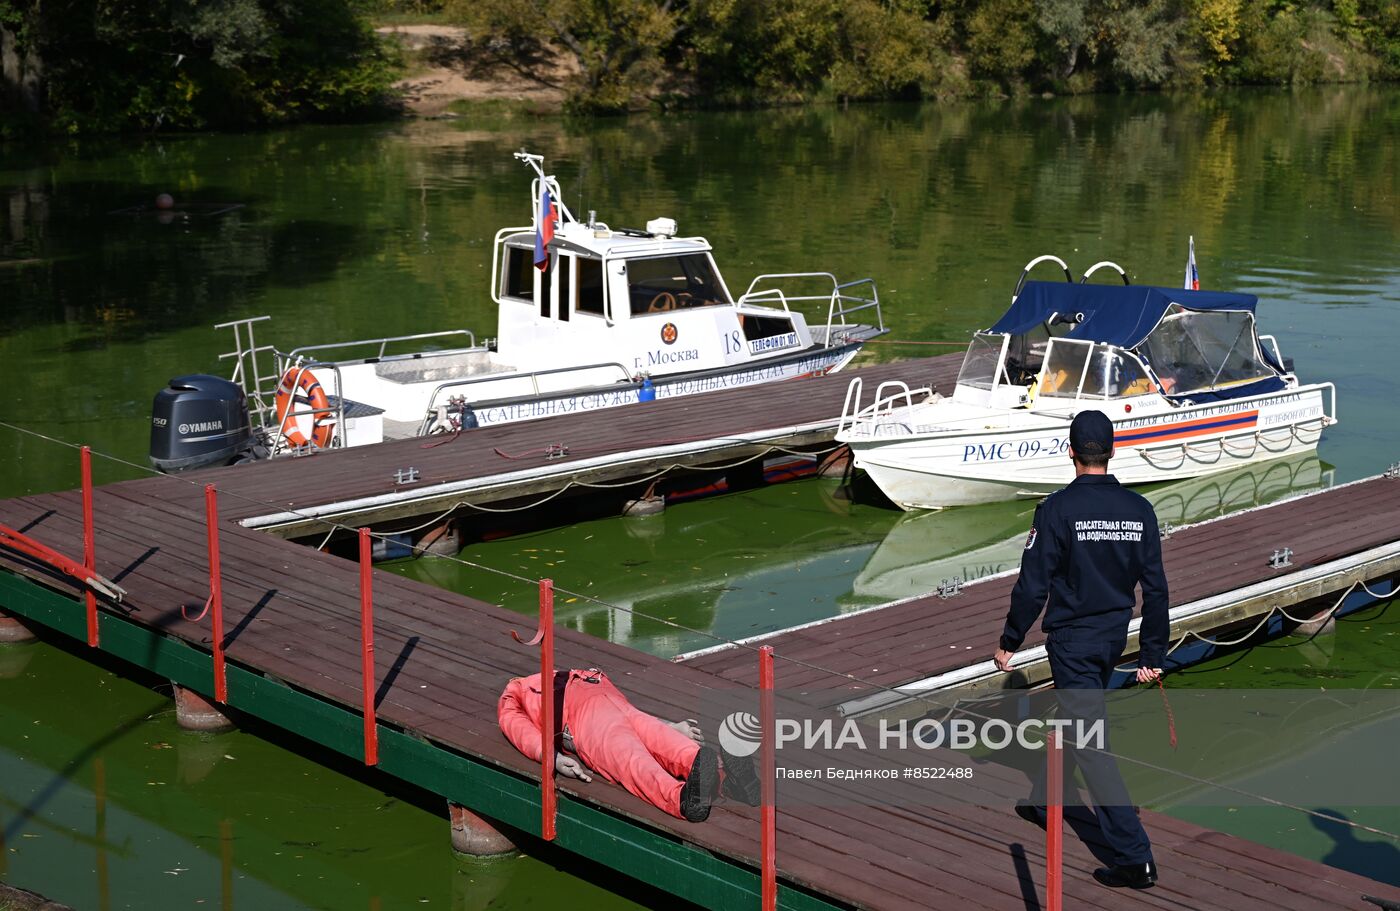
(321, 426)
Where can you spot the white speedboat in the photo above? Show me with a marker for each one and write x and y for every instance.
(589, 317)
(1191, 387)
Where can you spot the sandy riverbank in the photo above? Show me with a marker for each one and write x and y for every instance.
(444, 70)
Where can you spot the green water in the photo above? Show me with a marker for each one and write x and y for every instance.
(1360, 655)
(368, 231)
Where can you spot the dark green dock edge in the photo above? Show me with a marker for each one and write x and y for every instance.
(652, 857)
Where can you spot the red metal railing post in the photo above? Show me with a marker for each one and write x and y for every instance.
(367, 648)
(89, 544)
(1054, 823)
(548, 723)
(768, 724)
(216, 592)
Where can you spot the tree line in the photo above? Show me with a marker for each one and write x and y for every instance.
(83, 66)
(630, 53)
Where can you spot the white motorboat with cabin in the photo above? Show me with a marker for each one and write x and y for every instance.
(589, 317)
(1191, 387)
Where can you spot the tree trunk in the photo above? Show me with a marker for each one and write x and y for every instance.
(21, 74)
(1070, 63)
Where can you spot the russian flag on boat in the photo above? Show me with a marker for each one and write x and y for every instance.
(1193, 279)
(544, 228)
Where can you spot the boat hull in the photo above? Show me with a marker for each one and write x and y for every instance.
(935, 470)
(813, 362)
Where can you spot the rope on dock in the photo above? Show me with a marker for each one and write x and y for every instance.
(1277, 609)
(798, 662)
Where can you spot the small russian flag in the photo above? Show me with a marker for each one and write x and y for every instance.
(544, 229)
(1193, 279)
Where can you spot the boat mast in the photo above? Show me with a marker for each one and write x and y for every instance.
(537, 163)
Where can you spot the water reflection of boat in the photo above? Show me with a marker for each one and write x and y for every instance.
(1191, 387)
(926, 549)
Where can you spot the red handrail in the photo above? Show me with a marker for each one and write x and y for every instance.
(216, 592)
(1054, 823)
(19, 541)
(544, 638)
(548, 723)
(769, 810)
(367, 648)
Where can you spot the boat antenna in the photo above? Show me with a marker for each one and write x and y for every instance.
(537, 163)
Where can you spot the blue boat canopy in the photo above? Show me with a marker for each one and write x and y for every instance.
(1121, 315)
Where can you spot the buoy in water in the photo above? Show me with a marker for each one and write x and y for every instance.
(475, 836)
(14, 630)
(644, 506)
(195, 713)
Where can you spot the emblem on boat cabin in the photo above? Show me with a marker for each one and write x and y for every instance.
(669, 333)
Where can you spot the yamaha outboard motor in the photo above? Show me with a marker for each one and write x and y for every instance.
(198, 421)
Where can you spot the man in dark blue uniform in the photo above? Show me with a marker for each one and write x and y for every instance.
(1089, 548)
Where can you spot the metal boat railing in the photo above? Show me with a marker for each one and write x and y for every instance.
(256, 385)
(625, 376)
(841, 303)
(278, 438)
(285, 360)
(853, 415)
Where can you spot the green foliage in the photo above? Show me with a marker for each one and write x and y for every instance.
(194, 64)
(614, 47)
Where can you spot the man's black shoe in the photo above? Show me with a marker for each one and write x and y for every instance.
(740, 780)
(1133, 876)
(1032, 814)
(701, 785)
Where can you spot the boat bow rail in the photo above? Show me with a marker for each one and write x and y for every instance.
(842, 300)
(874, 418)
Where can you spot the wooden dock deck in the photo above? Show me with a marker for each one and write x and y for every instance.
(519, 463)
(292, 640)
(1219, 574)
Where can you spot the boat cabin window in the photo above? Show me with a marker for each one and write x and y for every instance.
(672, 282)
(1075, 369)
(1025, 355)
(563, 299)
(982, 362)
(518, 274)
(590, 286)
(1196, 351)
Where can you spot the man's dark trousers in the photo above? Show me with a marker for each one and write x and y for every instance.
(1082, 665)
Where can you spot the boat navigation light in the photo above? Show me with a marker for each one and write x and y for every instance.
(662, 227)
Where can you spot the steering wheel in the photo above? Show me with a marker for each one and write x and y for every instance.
(662, 302)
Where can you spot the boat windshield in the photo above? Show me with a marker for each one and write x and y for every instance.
(1076, 369)
(983, 361)
(1197, 351)
(671, 282)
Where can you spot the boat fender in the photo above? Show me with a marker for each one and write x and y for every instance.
(648, 392)
(321, 426)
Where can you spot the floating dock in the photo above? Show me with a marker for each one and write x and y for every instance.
(528, 463)
(292, 626)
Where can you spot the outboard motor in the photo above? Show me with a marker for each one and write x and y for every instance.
(198, 421)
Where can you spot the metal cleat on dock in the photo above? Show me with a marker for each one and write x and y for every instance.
(1167, 528)
(1281, 558)
(947, 588)
(556, 451)
(405, 475)
(1393, 471)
